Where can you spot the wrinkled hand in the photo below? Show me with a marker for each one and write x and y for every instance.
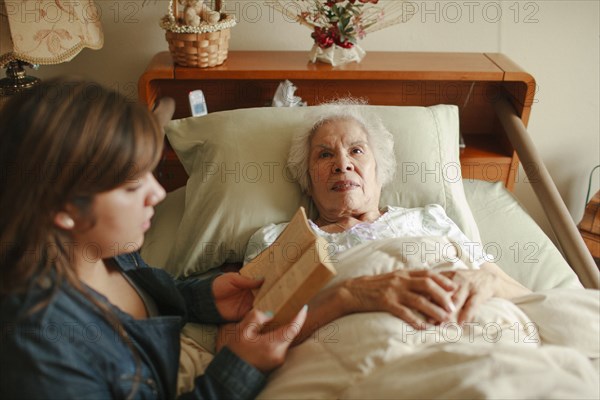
(401, 293)
(233, 295)
(264, 350)
(474, 287)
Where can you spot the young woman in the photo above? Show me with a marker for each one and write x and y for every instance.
(82, 316)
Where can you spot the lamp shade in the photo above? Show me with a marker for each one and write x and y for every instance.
(48, 31)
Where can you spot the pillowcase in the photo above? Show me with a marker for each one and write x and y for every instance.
(238, 181)
(516, 243)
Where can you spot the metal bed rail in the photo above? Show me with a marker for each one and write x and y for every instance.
(572, 245)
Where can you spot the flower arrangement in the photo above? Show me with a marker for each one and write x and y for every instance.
(342, 22)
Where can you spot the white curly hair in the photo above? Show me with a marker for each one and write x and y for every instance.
(379, 137)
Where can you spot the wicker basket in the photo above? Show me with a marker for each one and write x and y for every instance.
(197, 46)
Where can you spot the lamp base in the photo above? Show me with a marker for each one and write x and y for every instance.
(16, 80)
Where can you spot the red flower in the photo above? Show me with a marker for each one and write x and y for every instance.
(347, 44)
(323, 38)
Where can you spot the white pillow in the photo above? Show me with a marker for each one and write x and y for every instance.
(238, 181)
(516, 243)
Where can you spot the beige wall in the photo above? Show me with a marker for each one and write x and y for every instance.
(558, 42)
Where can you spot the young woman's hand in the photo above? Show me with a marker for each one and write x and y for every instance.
(265, 350)
(233, 295)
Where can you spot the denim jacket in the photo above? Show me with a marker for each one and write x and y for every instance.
(66, 349)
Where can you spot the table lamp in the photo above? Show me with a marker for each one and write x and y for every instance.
(43, 32)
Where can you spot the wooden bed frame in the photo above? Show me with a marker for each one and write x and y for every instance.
(494, 96)
(473, 81)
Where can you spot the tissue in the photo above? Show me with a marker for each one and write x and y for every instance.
(284, 96)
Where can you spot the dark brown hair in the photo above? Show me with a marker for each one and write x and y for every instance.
(63, 143)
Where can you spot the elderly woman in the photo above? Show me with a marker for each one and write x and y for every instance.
(344, 160)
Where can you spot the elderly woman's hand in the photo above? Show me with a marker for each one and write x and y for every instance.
(474, 288)
(477, 286)
(401, 293)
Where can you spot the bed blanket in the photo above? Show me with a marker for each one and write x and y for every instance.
(543, 345)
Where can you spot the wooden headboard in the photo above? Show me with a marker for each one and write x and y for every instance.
(472, 81)
(493, 94)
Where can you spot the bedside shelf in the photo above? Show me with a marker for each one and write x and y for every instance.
(469, 80)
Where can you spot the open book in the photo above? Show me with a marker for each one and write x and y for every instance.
(295, 267)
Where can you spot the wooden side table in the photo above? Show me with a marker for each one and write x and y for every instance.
(590, 227)
(472, 81)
